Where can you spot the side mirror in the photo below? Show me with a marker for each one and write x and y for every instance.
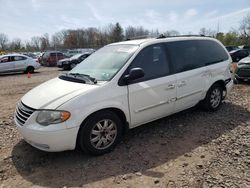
(134, 73)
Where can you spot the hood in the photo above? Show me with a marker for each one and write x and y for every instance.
(54, 93)
(65, 59)
(245, 60)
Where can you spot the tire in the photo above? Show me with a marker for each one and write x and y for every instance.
(213, 99)
(29, 70)
(100, 133)
(72, 65)
(66, 67)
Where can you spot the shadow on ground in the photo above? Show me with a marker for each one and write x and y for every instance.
(142, 148)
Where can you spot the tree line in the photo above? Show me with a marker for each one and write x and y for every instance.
(95, 37)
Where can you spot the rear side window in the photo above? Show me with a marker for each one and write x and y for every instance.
(19, 58)
(192, 54)
(211, 52)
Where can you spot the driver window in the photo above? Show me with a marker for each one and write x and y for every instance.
(153, 61)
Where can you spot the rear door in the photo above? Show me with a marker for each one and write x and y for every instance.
(152, 96)
(20, 63)
(190, 73)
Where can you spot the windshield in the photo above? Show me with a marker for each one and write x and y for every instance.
(106, 62)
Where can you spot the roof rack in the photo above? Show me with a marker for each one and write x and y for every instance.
(161, 36)
(138, 37)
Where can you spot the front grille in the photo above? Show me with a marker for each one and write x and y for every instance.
(243, 72)
(23, 112)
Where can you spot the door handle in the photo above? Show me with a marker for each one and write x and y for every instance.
(182, 83)
(170, 86)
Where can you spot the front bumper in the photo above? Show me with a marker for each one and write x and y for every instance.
(51, 141)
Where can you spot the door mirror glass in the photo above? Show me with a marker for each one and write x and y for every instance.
(134, 73)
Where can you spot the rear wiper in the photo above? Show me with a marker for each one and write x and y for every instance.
(84, 76)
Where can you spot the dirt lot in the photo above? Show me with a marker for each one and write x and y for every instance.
(189, 149)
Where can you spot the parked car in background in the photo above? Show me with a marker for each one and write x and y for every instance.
(73, 52)
(51, 58)
(70, 63)
(120, 86)
(246, 48)
(238, 54)
(231, 48)
(17, 62)
(242, 71)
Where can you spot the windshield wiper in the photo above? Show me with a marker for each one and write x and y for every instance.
(83, 76)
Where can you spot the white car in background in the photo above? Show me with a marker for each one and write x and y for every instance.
(17, 62)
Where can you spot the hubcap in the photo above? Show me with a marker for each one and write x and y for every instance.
(215, 98)
(103, 134)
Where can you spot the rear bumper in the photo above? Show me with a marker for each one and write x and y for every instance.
(229, 86)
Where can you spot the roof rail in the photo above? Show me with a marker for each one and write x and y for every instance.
(138, 37)
(161, 36)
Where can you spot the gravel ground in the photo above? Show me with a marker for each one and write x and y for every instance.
(189, 149)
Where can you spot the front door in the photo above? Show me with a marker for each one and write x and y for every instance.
(152, 96)
(6, 64)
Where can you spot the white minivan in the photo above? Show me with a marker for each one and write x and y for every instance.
(124, 85)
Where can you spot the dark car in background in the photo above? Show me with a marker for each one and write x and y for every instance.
(70, 63)
(231, 48)
(51, 58)
(237, 55)
(242, 71)
(246, 48)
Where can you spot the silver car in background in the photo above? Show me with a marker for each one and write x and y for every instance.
(17, 63)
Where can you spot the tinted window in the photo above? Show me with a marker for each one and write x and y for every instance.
(191, 54)
(153, 61)
(4, 59)
(59, 54)
(19, 58)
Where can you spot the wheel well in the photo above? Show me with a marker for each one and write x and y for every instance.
(29, 67)
(117, 111)
(221, 83)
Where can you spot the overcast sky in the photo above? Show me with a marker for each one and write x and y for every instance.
(27, 18)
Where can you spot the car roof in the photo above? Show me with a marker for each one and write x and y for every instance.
(14, 54)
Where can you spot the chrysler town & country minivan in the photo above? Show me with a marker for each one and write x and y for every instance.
(124, 85)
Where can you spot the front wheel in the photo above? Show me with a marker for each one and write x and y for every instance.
(213, 99)
(100, 133)
(72, 65)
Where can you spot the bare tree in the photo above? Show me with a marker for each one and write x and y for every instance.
(15, 44)
(3, 41)
(245, 29)
(35, 42)
(136, 32)
(45, 42)
(172, 33)
(207, 32)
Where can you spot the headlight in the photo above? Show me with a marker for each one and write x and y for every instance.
(47, 117)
